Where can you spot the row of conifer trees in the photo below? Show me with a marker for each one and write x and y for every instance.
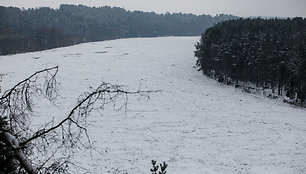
(23, 30)
(270, 53)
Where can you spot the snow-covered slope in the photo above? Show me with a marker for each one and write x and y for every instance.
(195, 124)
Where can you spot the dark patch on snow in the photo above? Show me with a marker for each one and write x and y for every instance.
(101, 52)
(1, 77)
(108, 47)
(36, 58)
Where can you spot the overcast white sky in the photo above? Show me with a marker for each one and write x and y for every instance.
(245, 8)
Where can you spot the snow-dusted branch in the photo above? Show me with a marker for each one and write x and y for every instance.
(14, 143)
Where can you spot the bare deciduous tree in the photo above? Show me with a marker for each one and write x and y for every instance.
(49, 148)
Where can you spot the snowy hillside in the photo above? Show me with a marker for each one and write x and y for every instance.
(194, 124)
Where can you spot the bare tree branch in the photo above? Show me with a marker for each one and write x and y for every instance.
(28, 79)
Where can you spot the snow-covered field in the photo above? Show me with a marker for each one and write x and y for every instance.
(195, 124)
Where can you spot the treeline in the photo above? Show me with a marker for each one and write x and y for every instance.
(44, 28)
(270, 53)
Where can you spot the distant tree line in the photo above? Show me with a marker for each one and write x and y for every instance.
(45, 28)
(270, 53)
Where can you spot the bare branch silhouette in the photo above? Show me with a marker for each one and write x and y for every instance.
(40, 148)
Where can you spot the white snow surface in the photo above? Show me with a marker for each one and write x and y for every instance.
(194, 124)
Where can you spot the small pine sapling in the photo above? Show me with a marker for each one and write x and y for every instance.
(163, 167)
(155, 168)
